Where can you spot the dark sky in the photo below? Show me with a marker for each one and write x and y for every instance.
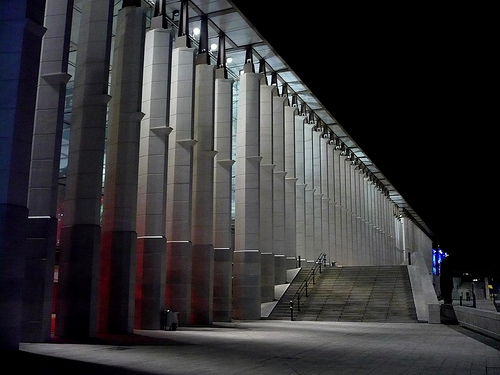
(415, 86)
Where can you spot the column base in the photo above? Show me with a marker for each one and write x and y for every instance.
(178, 279)
(291, 263)
(13, 226)
(150, 282)
(223, 291)
(280, 269)
(202, 284)
(267, 277)
(77, 293)
(39, 278)
(246, 285)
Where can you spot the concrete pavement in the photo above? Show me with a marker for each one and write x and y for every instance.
(272, 347)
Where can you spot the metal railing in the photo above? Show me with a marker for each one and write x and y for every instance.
(304, 286)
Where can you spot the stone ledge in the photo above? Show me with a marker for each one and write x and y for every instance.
(483, 321)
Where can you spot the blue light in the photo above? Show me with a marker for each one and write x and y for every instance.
(437, 257)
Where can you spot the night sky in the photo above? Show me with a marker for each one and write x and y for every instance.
(415, 86)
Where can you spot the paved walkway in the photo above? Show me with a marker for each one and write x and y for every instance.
(272, 347)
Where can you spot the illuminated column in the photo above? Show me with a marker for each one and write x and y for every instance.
(290, 187)
(279, 174)
(223, 242)
(119, 236)
(309, 190)
(325, 200)
(318, 195)
(330, 150)
(353, 207)
(202, 284)
(300, 203)
(21, 29)
(338, 204)
(343, 209)
(151, 198)
(179, 175)
(348, 208)
(266, 244)
(247, 263)
(78, 286)
(44, 172)
(364, 238)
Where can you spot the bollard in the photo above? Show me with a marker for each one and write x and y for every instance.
(474, 300)
(461, 300)
(299, 261)
(291, 310)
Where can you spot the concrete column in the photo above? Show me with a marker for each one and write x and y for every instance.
(44, 172)
(343, 211)
(332, 253)
(325, 200)
(151, 197)
(279, 174)
(223, 286)
(267, 277)
(300, 202)
(223, 239)
(21, 29)
(266, 242)
(310, 243)
(77, 304)
(202, 285)
(290, 189)
(179, 182)
(247, 263)
(338, 205)
(318, 195)
(348, 196)
(119, 236)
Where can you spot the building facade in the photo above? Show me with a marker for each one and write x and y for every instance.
(160, 155)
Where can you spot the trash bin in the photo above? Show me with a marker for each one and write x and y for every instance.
(171, 320)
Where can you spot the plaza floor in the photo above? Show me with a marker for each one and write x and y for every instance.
(272, 347)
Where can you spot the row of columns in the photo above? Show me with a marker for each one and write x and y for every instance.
(165, 240)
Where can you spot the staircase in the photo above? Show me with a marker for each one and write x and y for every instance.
(355, 294)
(282, 309)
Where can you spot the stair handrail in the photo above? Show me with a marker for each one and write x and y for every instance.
(303, 287)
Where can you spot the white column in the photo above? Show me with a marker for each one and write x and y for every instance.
(266, 243)
(79, 261)
(332, 253)
(290, 189)
(151, 197)
(179, 182)
(44, 172)
(279, 175)
(318, 195)
(119, 236)
(325, 200)
(247, 264)
(223, 239)
(344, 237)
(202, 283)
(310, 244)
(301, 185)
